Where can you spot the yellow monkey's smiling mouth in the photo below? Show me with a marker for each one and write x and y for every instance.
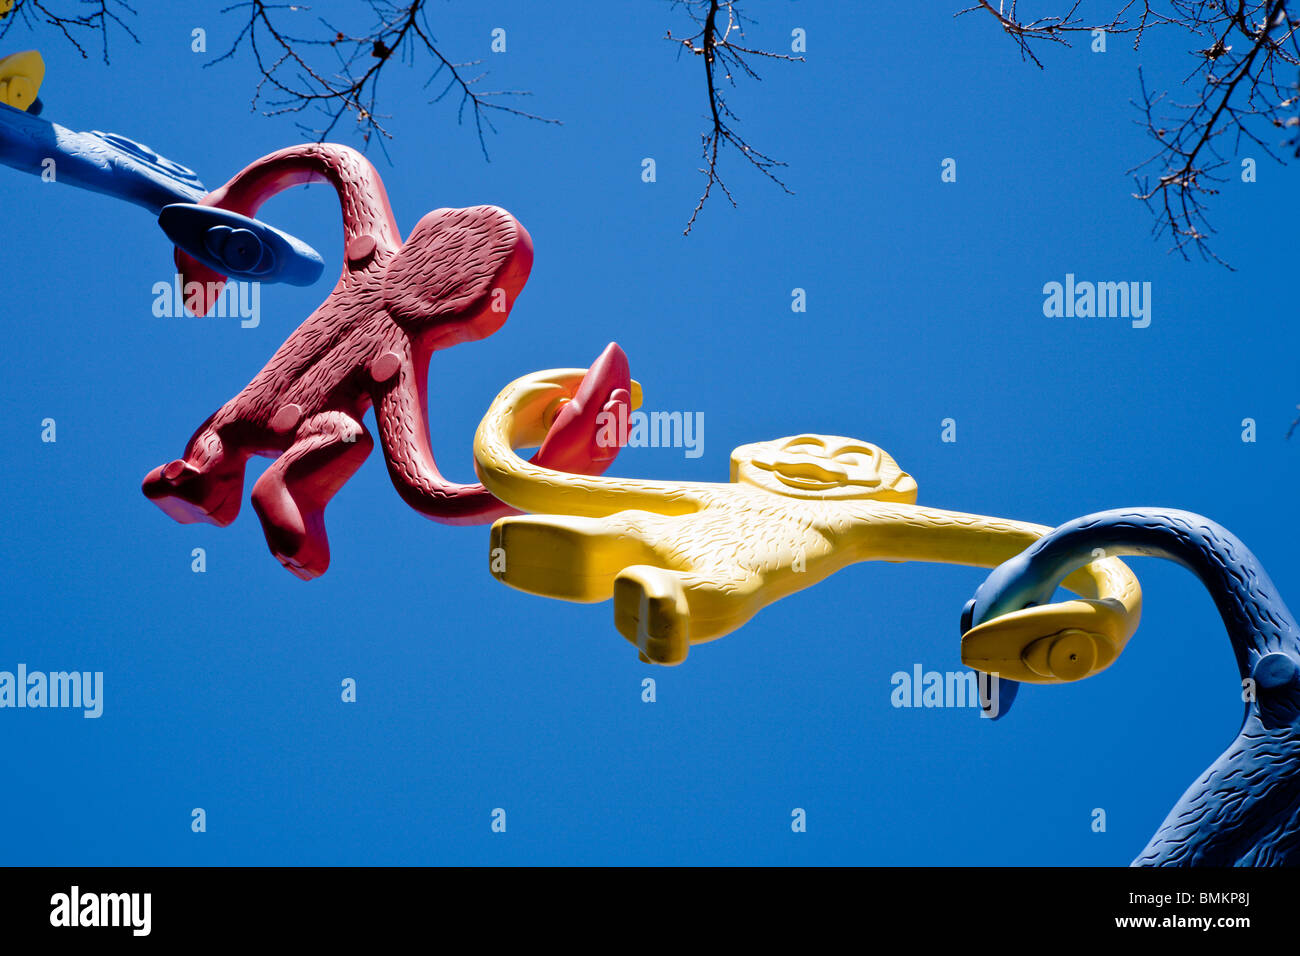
(806, 474)
(805, 483)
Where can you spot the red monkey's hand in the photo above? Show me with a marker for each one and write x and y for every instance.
(583, 439)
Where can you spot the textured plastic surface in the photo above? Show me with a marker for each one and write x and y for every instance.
(104, 163)
(21, 75)
(689, 562)
(1245, 808)
(369, 343)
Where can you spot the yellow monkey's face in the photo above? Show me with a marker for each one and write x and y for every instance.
(824, 467)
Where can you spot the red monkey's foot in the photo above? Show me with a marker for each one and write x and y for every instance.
(189, 495)
(297, 539)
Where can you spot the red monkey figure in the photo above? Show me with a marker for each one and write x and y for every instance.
(369, 343)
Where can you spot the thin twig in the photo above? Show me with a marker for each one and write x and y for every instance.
(721, 46)
(292, 81)
(75, 20)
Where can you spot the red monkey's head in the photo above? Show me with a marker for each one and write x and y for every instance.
(458, 274)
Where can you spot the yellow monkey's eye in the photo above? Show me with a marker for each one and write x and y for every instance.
(855, 460)
(851, 451)
(805, 445)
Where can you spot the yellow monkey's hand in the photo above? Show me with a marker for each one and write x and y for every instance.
(1051, 643)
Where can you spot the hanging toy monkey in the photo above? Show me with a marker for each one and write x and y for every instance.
(453, 279)
(232, 245)
(688, 562)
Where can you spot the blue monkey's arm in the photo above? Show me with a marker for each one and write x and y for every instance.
(1245, 808)
(100, 162)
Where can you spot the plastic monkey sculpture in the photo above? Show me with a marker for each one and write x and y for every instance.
(453, 280)
(1244, 810)
(687, 562)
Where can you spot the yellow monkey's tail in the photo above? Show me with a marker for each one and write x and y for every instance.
(519, 418)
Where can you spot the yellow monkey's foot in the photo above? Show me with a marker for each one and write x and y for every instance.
(21, 75)
(534, 555)
(560, 556)
(650, 610)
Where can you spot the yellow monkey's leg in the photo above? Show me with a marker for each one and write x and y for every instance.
(663, 612)
(562, 556)
(651, 611)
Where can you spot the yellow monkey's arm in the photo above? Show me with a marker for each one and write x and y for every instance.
(1016, 645)
(519, 418)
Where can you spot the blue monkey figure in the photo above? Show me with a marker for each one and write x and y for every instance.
(1244, 810)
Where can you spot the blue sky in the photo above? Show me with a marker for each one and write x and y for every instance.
(222, 689)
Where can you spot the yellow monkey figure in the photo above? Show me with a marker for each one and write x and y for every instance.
(688, 562)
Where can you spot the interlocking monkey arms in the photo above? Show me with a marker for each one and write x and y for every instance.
(369, 343)
(688, 562)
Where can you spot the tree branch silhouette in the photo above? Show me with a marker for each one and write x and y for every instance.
(77, 21)
(720, 46)
(1243, 75)
(310, 64)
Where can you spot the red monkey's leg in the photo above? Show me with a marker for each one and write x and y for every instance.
(291, 495)
(206, 485)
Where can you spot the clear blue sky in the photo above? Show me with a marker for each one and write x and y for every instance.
(222, 689)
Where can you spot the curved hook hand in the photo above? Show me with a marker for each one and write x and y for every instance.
(240, 247)
(576, 439)
(1243, 810)
(21, 75)
(1013, 628)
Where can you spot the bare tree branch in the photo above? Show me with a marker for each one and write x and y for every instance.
(293, 82)
(1243, 74)
(1057, 29)
(719, 46)
(1238, 91)
(306, 64)
(76, 20)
